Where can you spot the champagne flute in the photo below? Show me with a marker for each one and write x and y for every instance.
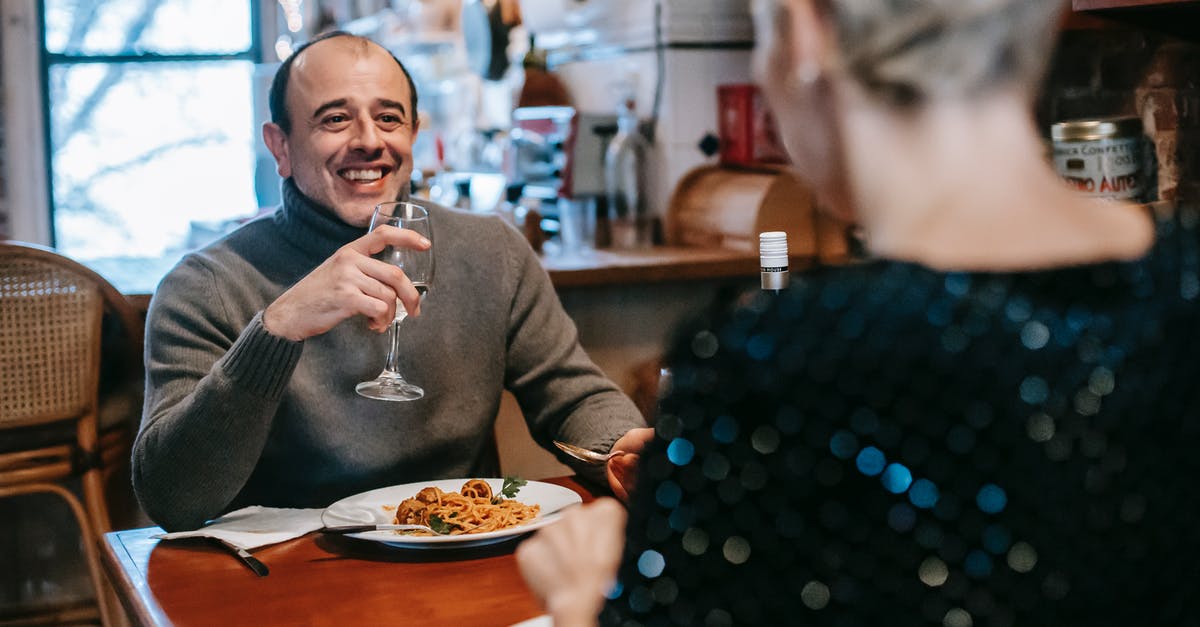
(418, 266)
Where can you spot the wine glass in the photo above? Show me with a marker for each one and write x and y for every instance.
(418, 266)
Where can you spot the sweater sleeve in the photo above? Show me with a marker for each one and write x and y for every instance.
(211, 392)
(562, 393)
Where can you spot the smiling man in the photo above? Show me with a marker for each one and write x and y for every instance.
(255, 343)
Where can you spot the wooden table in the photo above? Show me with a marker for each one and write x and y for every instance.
(318, 580)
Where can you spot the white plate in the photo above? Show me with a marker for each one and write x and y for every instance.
(369, 508)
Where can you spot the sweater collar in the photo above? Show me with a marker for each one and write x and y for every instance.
(310, 226)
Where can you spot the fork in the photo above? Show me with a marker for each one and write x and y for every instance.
(344, 529)
(585, 455)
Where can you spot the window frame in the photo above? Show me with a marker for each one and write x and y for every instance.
(28, 162)
(253, 54)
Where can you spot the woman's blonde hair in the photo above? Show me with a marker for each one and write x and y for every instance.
(907, 52)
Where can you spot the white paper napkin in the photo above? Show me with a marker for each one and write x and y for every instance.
(255, 526)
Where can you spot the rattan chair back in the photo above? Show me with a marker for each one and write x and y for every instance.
(50, 313)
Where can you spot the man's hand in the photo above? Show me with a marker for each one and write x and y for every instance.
(622, 469)
(350, 282)
(571, 564)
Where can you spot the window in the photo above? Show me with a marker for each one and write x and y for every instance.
(152, 129)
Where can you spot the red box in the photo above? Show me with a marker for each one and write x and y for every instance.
(746, 127)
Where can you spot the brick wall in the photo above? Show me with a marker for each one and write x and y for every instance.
(1126, 70)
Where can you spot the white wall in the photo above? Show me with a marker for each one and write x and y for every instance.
(27, 203)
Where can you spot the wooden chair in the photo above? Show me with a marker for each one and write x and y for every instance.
(51, 314)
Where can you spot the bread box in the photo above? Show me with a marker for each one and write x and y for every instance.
(723, 207)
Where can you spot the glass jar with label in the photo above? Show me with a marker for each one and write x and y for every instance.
(1101, 157)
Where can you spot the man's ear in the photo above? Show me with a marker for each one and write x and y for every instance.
(276, 141)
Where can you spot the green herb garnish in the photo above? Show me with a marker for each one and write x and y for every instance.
(511, 486)
(439, 525)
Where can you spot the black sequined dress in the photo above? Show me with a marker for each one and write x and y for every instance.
(886, 444)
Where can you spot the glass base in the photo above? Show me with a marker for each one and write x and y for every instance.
(385, 388)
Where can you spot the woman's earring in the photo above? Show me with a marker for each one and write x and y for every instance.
(805, 75)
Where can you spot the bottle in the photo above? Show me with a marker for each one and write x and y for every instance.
(625, 180)
(773, 260)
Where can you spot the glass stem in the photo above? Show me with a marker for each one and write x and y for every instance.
(392, 368)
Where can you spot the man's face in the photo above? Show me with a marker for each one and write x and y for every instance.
(350, 146)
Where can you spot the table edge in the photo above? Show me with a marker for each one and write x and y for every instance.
(138, 600)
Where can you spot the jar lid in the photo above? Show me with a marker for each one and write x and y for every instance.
(1098, 128)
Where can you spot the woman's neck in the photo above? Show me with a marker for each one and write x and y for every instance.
(967, 185)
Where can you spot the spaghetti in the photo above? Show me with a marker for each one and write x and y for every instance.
(474, 509)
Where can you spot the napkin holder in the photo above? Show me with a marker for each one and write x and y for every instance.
(723, 207)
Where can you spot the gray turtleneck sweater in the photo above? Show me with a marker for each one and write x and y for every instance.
(235, 416)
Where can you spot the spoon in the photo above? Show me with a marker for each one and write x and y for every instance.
(585, 455)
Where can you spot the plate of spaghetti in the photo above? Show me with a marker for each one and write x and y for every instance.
(463, 512)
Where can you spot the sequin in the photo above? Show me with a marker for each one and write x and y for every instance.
(894, 447)
(668, 494)
(695, 541)
(991, 499)
(901, 517)
(736, 550)
(923, 494)
(843, 444)
(996, 539)
(760, 347)
(765, 439)
(1022, 557)
(870, 461)
(1040, 427)
(716, 467)
(1018, 309)
(1034, 335)
(815, 595)
(718, 618)
(1102, 381)
(651, 564)
(957, 617)
(680, 451)
(665, 591)
(957, 283)
(933, 572)
(1034, 390)
(896, 478)
(725, 429)
(977, 564)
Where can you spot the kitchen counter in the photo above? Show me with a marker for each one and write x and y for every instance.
(655, 265)
(658, 264)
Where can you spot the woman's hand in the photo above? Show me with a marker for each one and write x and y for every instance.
(571, 564)
(622, 469)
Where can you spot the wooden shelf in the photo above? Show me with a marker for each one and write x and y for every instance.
(1172, 17)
